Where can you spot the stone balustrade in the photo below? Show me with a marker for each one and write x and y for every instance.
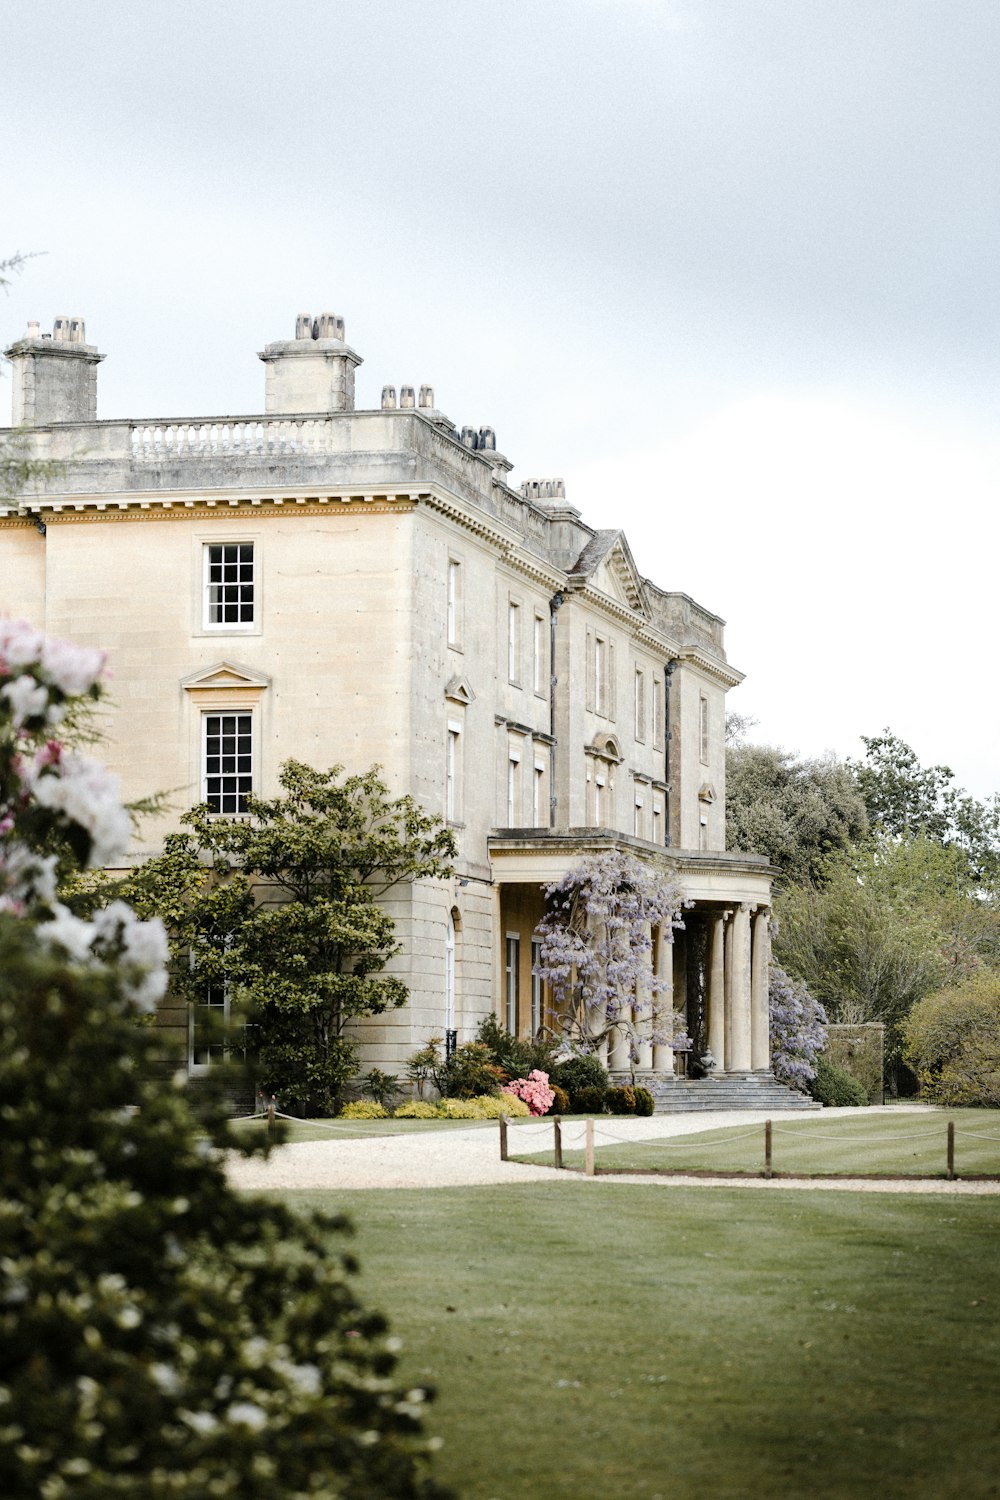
(254, 437)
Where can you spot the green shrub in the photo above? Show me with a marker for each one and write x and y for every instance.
(588, 1100)
(468, 1072)
(644, 1102)
(576, 1073)
(515, 1056)
(418, 1109)
(834, 1087)
(952, 1042)
(383, 1087)
(621, 1101)
(461, 1109)
(560, 1100)
(364, 1109)
(495, 1105)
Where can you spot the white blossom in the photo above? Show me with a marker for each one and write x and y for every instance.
(27, 697)
(20, 644)
(73, 669)
(87, 794)
(247, 1414)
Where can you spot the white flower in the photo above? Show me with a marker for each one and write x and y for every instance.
(166, 1378)
(28, 699)
(72, 668)
(202, 1422)
(71, 933)
(26, 876)
(246, 1414)
(20, 645)
(85, 793)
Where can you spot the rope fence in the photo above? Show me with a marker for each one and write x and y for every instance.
(591, 1135)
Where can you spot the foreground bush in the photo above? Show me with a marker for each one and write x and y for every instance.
(576, 1073)
(418, 1109)
(534, 1090)
(952, 1042)
(645, 1104)
(589, 1101)
(160, 1336)
(834, 1087)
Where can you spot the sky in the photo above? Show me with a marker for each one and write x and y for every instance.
(729, 267)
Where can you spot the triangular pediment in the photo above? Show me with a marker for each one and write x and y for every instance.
(607, 565)
(225, 674)
(706, 792)
(459, 690)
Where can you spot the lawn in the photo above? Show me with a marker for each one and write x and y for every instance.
(889, 1143)
(615, 1340)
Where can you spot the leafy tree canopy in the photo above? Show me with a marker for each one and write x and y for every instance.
(284, 908)
(906, 799)
(797, 812)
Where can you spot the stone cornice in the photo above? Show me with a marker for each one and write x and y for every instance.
(711, 666)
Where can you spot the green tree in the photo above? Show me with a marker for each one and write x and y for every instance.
(905, 799)
(890, 922)
(952, 1042)
(285, 909)
(797, 812)
(160, 1335)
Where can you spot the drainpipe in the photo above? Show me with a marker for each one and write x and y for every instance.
(668, 672)
(554, 605)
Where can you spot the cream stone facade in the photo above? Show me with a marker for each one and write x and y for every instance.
(360, 586)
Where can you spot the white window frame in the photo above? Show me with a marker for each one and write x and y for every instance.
(454, 603)
(229, 627)
(194, 1066)
(538, 656)
(514, 642)
(538, 811)
(512, 980)
(248, 735)
(657, 710)
(513, 787)
(537, 987)
(600, 675)
(640, 705)
(453, 772)
(639, 817)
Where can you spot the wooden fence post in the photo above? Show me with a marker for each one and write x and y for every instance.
(588, 1155)
(270, 1121)
(951, 1150)
(557, 1132)
(503, 1137)
(767, 1148)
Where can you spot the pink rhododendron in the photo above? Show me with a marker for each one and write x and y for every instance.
(534, 1090)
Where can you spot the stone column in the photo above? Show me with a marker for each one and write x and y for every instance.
(643, 1014)
(741, 989)
(663, 1054)
(729, 991)
(619, 1060)
(717, 991)
(760, 1042)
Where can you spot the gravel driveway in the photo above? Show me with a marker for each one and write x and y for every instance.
(471, 1158)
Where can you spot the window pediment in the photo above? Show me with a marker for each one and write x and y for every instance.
(606, 747)
(706, 792)
(458, 690)
(225, 674)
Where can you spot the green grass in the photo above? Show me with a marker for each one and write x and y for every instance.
(895, 1144)
(614, 1340)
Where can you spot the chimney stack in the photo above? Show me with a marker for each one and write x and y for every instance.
(55, 375)
(314, 372)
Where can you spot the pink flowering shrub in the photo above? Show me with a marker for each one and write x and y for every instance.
(534, 1090)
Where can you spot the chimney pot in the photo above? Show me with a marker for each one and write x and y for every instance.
(427, 396)
(488, 439)
(470, 437)
(304, 326)
(388, 398)
(406, 396)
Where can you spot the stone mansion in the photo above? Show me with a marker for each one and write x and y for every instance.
(358, 586)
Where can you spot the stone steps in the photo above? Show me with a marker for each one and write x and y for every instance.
(727, 1091)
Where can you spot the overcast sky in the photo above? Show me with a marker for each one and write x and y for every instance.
(730, 267)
